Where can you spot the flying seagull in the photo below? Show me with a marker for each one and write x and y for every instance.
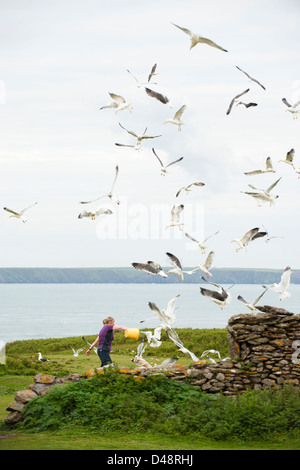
(92, 214)
(163, 168)
(139, 138)
(86, 341)
(268, 169)
(153, 338)
(249, 236)
(19, 215)
(168, 362)
(207, 265)
(118, 103)
(292, 108)
(251, 78)
(211, 351)
(263, 195)
(151, 74)
(177, 266)
(175, 216)
(219, 296)
(188, 188)
(158, 96)
(252, 306)
(151, 267)
(175, 338)
(196, 39)
(235, 99)
(166, 315)
(42, 359)
(201, 244)
(247, 105)
(177, 118)
(76, 353)
(138, 358)
(283, 285)
(110, 195)
(289, 158)
(164, 322)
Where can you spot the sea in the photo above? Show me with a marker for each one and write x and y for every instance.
(34, 311)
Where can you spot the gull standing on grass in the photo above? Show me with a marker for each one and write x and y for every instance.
(292, 108)
(118, 103)
(196, 39)
(151, 267)
(201, 244)
(110, 195)
(139, 138)
(19, 215)
(42, 359)
(175, 216)
(249, 236)
(263, 195)
(177, 266)
(268, 169)
(283, 286)
(252, 306)
(176, 119)
(163, 168)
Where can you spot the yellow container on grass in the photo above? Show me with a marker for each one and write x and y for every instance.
(132, 333)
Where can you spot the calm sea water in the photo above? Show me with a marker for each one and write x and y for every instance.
(31, 311)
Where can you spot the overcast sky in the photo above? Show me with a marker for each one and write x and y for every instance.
(58, 63)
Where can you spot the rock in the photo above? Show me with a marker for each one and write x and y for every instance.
(24, 396)
(13, 418)
(15, 406)
(44, 379)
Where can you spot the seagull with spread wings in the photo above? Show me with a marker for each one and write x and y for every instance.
(196, 39)
(19, 215)
(158, 96)
(118, 103)
(220, 296)
(110, 195)
(175, 216)
(251, 78)
(283, 285)
(201, 244)
(188, 188)
(139, 138)
(263, 195)
(249, 236)
(92, 214)
(151, 74)
(289, 158)
(207, 264)
(177, 266)
(252, 306)
(151, 267)
(176, 119)
(154, 339)
(234, 100)
(163, 168)
(268, 169)
(292, 108)
(172, 334)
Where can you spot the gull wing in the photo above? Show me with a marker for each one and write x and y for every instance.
(251, 78)
(191, 238)
(162, 98)
(11, 211)
(157, 157)
(284, 100)
(290, 155)
(269, 165)
(249, 235)
(235, 98)
(152, 72)
(241, 299)
(129, 132)
(285, 278)
(273, 185)
(260, 296)
(26, 208)
(116, 176)
(174, 260)
(209, 260)
(175, 161)
(185, 30)
(119, 99)
(180, 111)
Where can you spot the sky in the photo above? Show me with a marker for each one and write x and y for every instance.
(58, 63)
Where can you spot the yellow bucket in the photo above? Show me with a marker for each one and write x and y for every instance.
(132, 333)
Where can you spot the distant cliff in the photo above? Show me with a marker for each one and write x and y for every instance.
(130, 275)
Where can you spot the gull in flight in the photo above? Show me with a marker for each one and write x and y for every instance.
(251, 78)
(289, 158)
(84, 339)
(219, 296)
(268, 169)
(188, 189)
(163, 168)
(235, 99)
(207, 265)
(201, 244)
(247, 105)
(263, 195)
(283, 286)
(249, 236)
(92, 214)
(177, 118)
(211, 351)
(151, 267)
(118, 102)
(151, 74)
(166, 316)
(139, 138)
(153, 338)
(252, 306)
(138, 358)
(158, 96)
(177, 266)
(19, 215)
(175, 216)
(110, 195)
(292, 108)
(76, 353)
(196, 39)
(168, 362)
(42, 359)
(175, 338)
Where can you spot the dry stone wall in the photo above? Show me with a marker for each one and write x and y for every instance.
(264, 352)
